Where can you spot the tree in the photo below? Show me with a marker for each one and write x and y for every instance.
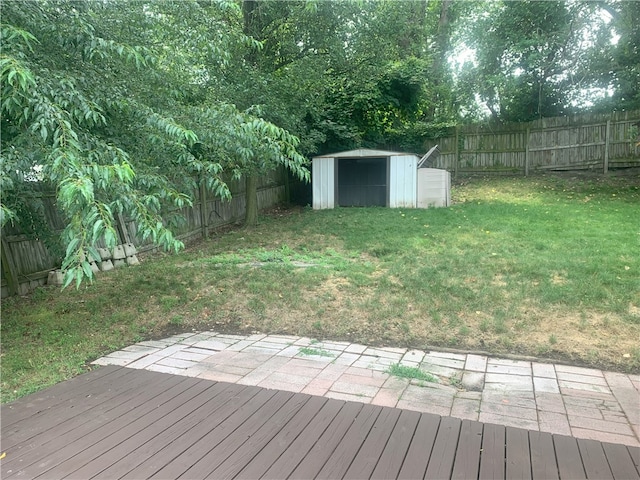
(525, 51)
(248, 146)
(106, 102)
(612, 65)
(539, 59)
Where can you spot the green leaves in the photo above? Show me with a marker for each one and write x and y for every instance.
(12, 36)
(106, 102)
(540, 59)
(172, 129)
(14, 75)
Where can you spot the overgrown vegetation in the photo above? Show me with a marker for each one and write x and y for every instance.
(110, 105)
(414, 373)
(544, 266)
(318, 352)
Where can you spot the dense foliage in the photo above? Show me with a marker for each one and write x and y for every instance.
(105, 102)
(129, 107)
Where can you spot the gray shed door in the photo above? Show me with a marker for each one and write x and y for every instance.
(362, 182)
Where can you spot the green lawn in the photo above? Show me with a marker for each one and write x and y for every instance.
(545, 266)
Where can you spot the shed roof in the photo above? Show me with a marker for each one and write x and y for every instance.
(363, 152)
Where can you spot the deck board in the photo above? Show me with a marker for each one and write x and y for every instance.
(367, 459)
(63, 456)
(118, 442)
(70, 417)
(41, 407)
(444, 448)
(568, 456)
(493, 452)
(594, 460)
(275, 440)
(348, 448)
(328, 441)
(212, 449)
(635, 456)
(47, 456)
(155, 426)
(175, 453)
(620, 461)
(166, 444)
(518, 454)
(27, 407)
(285, 465)
(467, 463)
(419, 453)
(392, 458)
(543, 457)
(122, 423)
(241, 446)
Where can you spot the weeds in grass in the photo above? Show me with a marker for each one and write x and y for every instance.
(499, 325)
(456, 382)
(318, 352)
(404, 371)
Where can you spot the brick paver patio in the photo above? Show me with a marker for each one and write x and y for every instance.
(581, 402)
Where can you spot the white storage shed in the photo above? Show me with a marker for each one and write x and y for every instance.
(366, 177)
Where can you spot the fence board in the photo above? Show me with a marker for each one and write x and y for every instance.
(593, 141)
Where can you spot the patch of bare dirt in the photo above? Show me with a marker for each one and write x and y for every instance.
(559, 278)
(498, 280)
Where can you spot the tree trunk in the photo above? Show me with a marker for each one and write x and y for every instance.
(251, 196)
(442, 44)
(251, 27)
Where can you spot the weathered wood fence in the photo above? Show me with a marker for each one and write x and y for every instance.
(589, 141)
(26, 261)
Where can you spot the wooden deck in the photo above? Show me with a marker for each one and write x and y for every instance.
(123, 423)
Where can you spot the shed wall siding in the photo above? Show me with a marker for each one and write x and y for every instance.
(402, 181)
(434, 188)
(323, 178)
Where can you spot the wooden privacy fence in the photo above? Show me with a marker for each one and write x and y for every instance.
(590, 141)
(26, 262)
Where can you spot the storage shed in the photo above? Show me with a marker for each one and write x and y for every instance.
(366, 177)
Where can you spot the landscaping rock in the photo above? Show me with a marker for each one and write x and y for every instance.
(130, 249)
(133, 260)
(118, 253)
(105, 254)
(106, 265)
(55, 278)
(473, 381)
(119, 262)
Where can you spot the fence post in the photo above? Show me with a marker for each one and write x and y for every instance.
(526, 153)
(457, 154)
(9, 270)
(287, 186)
(605, 162)
(124, 233)
(204, 217)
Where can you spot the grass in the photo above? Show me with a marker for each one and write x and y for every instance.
(309, 351)
(542, 266)
(404, 371)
